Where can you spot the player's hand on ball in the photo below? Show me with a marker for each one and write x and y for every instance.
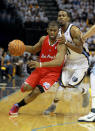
(33, 64)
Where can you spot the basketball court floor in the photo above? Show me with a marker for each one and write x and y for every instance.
(31, 116)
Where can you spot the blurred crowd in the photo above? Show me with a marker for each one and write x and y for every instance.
(82, 12)
(25, 10)
(10, 66)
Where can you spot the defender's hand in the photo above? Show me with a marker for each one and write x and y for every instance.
(61, 39)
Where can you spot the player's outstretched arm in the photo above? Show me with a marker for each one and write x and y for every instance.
(36, 48)
(89, 33)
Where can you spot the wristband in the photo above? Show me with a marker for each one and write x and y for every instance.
(65, 42)
(40, 64)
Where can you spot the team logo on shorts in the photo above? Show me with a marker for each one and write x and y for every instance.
(74, 79)
(46, 85)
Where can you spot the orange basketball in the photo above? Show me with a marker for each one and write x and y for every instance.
(16, 48)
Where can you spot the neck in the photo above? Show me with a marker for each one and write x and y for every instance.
(51, 42)
(64, 27)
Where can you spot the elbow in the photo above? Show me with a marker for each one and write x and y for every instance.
(80, 51)
(59, 63)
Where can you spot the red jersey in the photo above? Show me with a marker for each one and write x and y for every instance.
(48, 53)
(45, 76)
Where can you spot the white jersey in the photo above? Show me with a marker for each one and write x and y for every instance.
(76, 64)
(73, 57)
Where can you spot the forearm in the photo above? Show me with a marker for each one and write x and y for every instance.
(57, 61)
(90, 33)
(74, 48)
(30, 49)
(52, 63)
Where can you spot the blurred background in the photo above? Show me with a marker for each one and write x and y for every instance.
(27, 20)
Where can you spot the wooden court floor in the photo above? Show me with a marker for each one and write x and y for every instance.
(31, 116)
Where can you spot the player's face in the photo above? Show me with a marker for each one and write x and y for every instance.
(63, 18)
(52, 32)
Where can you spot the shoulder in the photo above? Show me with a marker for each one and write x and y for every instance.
(75, 31)
(43, 38)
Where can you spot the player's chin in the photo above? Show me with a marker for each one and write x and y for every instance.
(52, 37)
(61, 23)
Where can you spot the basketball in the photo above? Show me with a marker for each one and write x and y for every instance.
(16, 47)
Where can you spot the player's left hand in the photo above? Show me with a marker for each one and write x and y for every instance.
(33, 64)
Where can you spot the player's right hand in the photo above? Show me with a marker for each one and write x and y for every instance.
(61, 39)
(33, 64)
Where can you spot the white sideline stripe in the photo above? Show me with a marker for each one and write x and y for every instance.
(17, 87)
(3, 83)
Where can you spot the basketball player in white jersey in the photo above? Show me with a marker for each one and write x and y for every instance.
(91, 116)
(76, 63)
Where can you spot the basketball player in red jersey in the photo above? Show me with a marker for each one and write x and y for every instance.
(47, 71)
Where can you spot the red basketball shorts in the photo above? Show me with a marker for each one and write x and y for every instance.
(43, 78)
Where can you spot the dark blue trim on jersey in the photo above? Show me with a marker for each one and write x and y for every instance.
(73, 86)
(84, 52)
